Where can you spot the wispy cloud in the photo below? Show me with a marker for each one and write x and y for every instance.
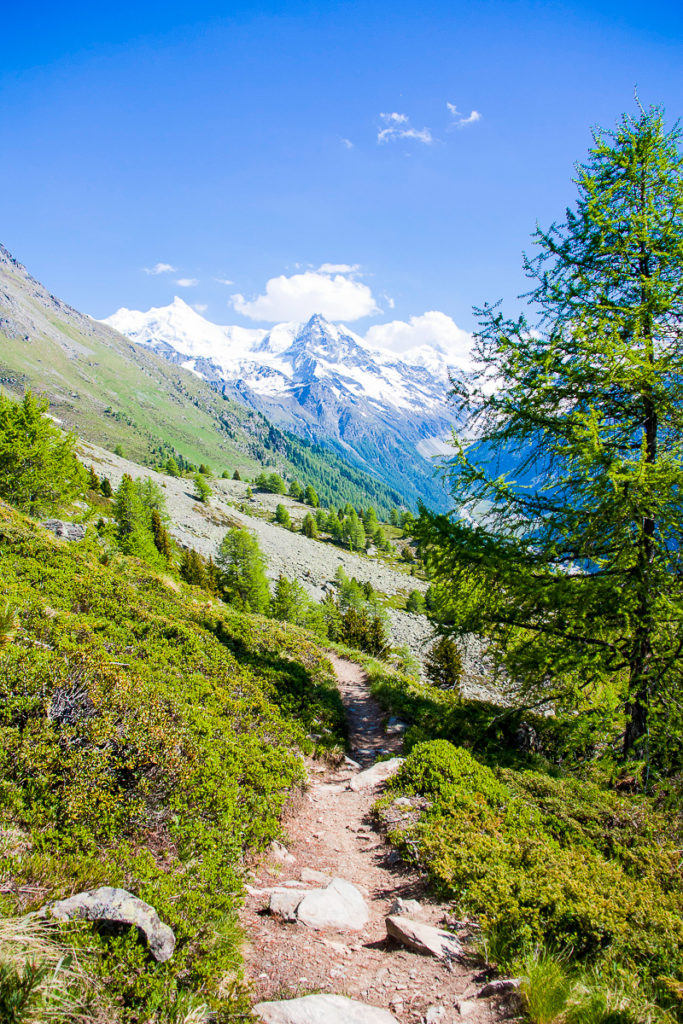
(187, 282)
(160, 268)
(223, 280)
(398, 126)
(460, 120)
(347, 143)
(200, 307)
(339, 268)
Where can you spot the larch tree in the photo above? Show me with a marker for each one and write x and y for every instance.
(565, 544)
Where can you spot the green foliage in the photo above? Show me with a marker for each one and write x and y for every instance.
(202, 490)
(39, 471)
(106, 488)
(242, 569)
(443, 664)
(192, 568)
(574, 570)
(283, 517)
(296, 491)
(540, 861)
(134, 505)
(310, 496)
(171, 467)
(416, 603)
(236, 475)
(9, 622)
(271, 482)
(353, 531)
(148, 738)
(367, 632)
(309, 527)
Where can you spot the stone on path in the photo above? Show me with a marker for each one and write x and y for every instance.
(375, 776)
(118, 905)
(280, 853)
(338, 906)
(424, 938)
(499, 987)
(322, 1009)
(313, 877)
(405, 908)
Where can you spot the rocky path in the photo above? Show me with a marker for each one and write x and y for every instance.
(331, 834)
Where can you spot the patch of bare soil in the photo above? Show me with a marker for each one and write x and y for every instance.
(332, 831)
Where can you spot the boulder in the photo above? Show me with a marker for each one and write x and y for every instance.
(67, 531)
(280, 853)
(424, 938)
(339, 906)
(322, 1009)
(313, 877)
(376, 776)
(120, 906)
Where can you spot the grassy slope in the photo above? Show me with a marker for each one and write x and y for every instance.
(85, 367)
(149, 738)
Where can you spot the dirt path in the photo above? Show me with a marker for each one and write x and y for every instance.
(331, 830)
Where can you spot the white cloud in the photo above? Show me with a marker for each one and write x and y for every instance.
(223, 280)
(459, 120)
(160, 268)
(397, 126)
(338, 268)
(324, 291)
(347, 143)
(187, 282)
(200, 307)
(432, 329)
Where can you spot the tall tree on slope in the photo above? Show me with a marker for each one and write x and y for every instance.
(575, 566)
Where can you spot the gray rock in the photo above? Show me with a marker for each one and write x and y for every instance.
(339, 906)
(424, 938)
(435, 1015)
(465, 1007)
(109, 904)
(499, 987)
(350, 763)
(322, 1009)
(313, 877)
(280, 853)
(67, 531)
(395, 727)
(404, 908)
(376, 776)
(284, 902)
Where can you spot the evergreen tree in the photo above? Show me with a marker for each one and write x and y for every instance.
(308, 527)
(290, 601)
(38, 468)
(310, 496)
(575, 569)
(236, 475)
(106, 488)
(134, 522)
(296, 491)
(443, 664)
(202, 490)
(242, 568)
(283, 517)
(162, 540)
(171, 467)
(192, 568)
(93, 479)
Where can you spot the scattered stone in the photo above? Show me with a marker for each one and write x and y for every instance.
(375, 776)
(339, 906)
(117, 905)
(322, 1009)
(280, 853)
(395, 727)
(284, 902)
(313, 877)
(435, 1015)
(350, 763)
(403, 801)
(499, 987)
(405, 908)
(465, 1007)
(67, 531)
(424, 938)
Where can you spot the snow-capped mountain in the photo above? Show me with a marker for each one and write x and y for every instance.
(388, 414)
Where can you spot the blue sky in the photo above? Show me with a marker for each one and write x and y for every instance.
(243, 144)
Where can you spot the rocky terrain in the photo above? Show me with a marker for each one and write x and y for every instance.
(313, 563)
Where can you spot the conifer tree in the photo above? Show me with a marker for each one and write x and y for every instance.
(575, 567)
(242, 568)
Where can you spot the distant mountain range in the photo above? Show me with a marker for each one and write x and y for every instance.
(113, 392)
(387, 415)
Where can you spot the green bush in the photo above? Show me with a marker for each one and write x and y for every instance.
(543, 861)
